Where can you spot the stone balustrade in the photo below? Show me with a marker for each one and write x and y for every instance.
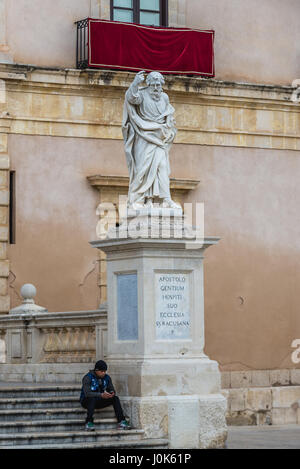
(30, 334)
(43, 337)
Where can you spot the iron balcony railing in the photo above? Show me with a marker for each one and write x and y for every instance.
(82, 53)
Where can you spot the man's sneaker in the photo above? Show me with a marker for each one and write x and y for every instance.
(124, 425)
(90, 426)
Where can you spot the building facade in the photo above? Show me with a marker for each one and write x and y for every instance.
(236, 150)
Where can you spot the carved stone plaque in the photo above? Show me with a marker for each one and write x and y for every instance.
(172, 295)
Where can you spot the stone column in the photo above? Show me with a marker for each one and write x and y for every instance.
(156, 340)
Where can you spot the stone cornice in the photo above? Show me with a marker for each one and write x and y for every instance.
(117, 79)
(88, 104)
(101, 181)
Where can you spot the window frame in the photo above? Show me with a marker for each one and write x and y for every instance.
(163, 12)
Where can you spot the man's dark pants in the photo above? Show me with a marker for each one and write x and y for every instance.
(92, 403)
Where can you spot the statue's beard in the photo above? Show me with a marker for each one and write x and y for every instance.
(155, 94)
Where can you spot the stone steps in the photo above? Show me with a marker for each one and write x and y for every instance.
(39, 391)
(41, 417)
(54, 426)
(98, 436)
(38, 402)
(50, 414)
(122, 443)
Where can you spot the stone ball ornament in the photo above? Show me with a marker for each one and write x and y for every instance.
(28, 291)
(28, 306)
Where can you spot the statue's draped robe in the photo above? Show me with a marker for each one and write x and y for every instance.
(148, 131)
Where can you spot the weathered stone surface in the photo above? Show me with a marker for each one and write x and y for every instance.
(284, 416)
(4, 303)
(295, 377)
(284, 397)
(241, 379)
(4, 161)
(280, 377)
(237, 399)
(241, 418)
(225, 379)
(150, 414)
(258, 399)
(260, 378)
(263, 406)
(212, 423)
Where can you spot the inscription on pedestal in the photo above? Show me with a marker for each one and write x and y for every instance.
(172, 291)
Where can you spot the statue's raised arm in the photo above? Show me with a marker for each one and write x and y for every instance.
(148, 131)
(133, 94)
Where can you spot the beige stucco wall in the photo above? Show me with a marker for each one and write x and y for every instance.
(252, 276)
(256, 40)
(251, 201)
(42, 32)
(55, 220)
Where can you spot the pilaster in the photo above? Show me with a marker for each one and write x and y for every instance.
(4, 200)
(5, 56)
(177, 13)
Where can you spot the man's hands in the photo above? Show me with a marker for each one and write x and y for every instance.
(139, 78)
(107, 395)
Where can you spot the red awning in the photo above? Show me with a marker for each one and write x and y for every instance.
(129, 46)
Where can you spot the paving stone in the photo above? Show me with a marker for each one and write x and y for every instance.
(264, 437)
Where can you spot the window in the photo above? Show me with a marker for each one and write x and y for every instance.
(148, 12)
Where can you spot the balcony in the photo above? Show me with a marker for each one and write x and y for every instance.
(115, 45)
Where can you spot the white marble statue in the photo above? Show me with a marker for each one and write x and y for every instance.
(148, 131)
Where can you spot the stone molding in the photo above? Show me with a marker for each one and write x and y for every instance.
(101, 181)
(73, 103)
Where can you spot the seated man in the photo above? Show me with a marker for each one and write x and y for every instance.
(98, 392)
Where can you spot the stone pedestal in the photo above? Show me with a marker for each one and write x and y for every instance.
(170, 388)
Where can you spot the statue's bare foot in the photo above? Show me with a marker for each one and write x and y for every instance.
(137, 206)
(149, 203)
(169, 203)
